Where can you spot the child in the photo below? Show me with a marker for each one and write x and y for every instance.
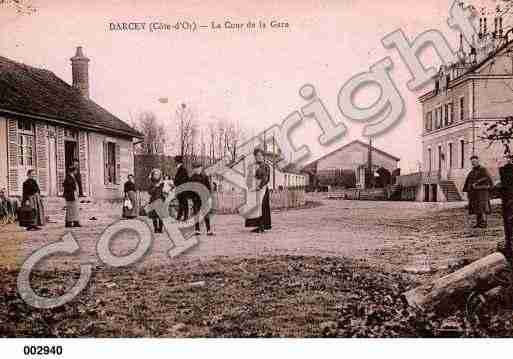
(199, 177)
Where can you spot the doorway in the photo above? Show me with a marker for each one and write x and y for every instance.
(426, 193)
(434, 190)
(52, 167)
(70, 153)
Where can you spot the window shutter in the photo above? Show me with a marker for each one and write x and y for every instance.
(41, 157)
(118, 163)
(82, 158)
(105, 162)
(14, 187)
(61, 164)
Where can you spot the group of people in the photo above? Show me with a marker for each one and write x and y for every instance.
(31, 214)
(163, 186)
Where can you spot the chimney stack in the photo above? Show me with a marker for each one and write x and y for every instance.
(80, 72)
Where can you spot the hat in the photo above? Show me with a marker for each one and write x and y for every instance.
(474, 156)
(196, 165)
(178, 159)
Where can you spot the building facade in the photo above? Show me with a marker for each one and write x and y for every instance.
(46, 124)
(468, 96)
(355, 156)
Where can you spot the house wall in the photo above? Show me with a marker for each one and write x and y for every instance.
(3, 153)
(90, 155)
(98, 187)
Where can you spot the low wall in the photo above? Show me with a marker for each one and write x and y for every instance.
(370, 194)
(229, 202)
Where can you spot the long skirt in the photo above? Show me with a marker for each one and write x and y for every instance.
(72, 210)
(134, 211)
(265, 219)
(36, 202)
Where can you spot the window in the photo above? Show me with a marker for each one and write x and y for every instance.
(110, 162)
(429, 160)
(429, 121)
(440, 157)
(450, 155)
(462, 108)
(437, 118)
(446, 114)
(451, 113)
(462, 154)
(25, 143)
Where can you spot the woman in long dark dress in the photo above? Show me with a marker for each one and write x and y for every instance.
(130, 191)
(71, 195)
(31, 197)
(156, 192)
(262, 176)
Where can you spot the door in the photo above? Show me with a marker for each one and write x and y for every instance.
(52, 167)
(70, 153)
(434, 190)
(426, 193)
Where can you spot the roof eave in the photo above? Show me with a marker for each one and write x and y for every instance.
(135, 134)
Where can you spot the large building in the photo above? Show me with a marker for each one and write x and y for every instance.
(45, 124)
(467, 97)
(356, 156)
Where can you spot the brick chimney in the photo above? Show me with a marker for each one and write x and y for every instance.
(80, 72)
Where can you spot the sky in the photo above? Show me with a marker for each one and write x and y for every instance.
(247, 76)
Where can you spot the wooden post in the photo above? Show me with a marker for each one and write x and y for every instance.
(481, 273)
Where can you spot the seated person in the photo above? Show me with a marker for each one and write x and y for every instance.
(8, 208)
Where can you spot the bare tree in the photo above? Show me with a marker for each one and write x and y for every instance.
(154, 134)
(187, 130)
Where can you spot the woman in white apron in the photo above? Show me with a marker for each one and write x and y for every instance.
(260, 217)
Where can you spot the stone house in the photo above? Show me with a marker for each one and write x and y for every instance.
(45, 124)
(467, 97)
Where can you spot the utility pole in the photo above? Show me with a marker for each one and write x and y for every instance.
(369, 163)
(274, 165)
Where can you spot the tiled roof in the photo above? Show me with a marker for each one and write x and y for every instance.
(29, 91)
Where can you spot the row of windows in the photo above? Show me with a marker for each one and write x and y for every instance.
(26, 150)
(448, 160)
(444, 115)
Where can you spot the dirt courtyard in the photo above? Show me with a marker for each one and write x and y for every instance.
(337, 269)
(390, 235)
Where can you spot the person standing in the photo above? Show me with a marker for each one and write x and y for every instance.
(8, 208)
(198, 176)
(156, 192)
(261, 177)
(71, 195)
(181, 178)
(78, 178)
(130, 202)
(477, 185)
(505, 188)
(31, 198)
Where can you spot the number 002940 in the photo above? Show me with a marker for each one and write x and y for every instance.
(42, 350)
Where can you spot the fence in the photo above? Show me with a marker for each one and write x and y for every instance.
(229, 202)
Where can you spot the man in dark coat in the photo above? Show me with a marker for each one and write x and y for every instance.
(78, 178)
(199, 176)
(182, 177)
(505, 188)
(478, 185)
